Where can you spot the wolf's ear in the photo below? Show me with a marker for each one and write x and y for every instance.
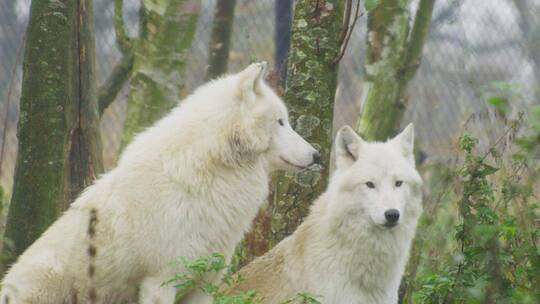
(348, 145)
(251, 78)
(405, 140)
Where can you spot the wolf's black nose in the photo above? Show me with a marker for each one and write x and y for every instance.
(316, 158)
(392, 216)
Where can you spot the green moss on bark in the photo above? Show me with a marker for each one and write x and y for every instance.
(160, 59)
(393, 56)
(310, 92)
(59, 152)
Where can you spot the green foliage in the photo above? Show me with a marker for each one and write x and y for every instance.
(197, 275)
(370, 4)
(494, 257)
(303, 298)
(498, 94)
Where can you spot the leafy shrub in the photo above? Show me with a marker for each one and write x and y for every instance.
(196, 277)
(494, 256)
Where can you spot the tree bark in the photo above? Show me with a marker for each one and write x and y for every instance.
(309, 94)
(393, 56)
(282, 36)
(59, 143)
(160, 59)
(220, 40)
(394, 52)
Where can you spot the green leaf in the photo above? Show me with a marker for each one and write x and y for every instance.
(487, 170)
(371, 4)
(500, 103)
(467, 142)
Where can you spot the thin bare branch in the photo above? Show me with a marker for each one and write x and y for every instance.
(350, 30)
(346, 22)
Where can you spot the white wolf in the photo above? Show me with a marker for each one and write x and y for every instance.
(353, 247)
(186, 187)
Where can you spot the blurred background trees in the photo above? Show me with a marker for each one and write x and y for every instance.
(453, 67)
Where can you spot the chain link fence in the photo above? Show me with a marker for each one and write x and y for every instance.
(474, 49)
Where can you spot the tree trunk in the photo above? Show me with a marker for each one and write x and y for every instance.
(160, 59)
(309, 94)
(59, 144)
(282, 36)
(393, 56)
(220, 39)
(394, 52)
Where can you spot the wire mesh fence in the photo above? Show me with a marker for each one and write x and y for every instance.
(474, 49)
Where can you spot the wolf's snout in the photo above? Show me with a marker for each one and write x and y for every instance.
(316, 158)
(392, 216)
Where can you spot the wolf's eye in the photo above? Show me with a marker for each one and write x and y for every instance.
(280, 122)
(399, 183)
(370, 185)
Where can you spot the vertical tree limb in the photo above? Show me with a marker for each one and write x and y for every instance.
(85, 160)
(393, 56)
(220, 39)
(282, 36)
(122, 72)
(122, 39)
(160, 58)
(417, 40)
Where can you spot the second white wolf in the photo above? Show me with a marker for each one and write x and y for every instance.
(353, 247)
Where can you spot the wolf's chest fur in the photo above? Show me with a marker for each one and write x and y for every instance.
(352, 267)
(213, 220)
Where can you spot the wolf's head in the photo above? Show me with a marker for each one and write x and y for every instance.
(262, 125)
(376, 184)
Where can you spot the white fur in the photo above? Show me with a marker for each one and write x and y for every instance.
(343, 251)
(186, 187)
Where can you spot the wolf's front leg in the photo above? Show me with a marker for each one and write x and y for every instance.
(154, 292)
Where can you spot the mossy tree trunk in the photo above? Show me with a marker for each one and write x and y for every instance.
(59, 144)
(309, 94)
(394, 52)
(167, 31)
(220, 39)
(393, 55)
